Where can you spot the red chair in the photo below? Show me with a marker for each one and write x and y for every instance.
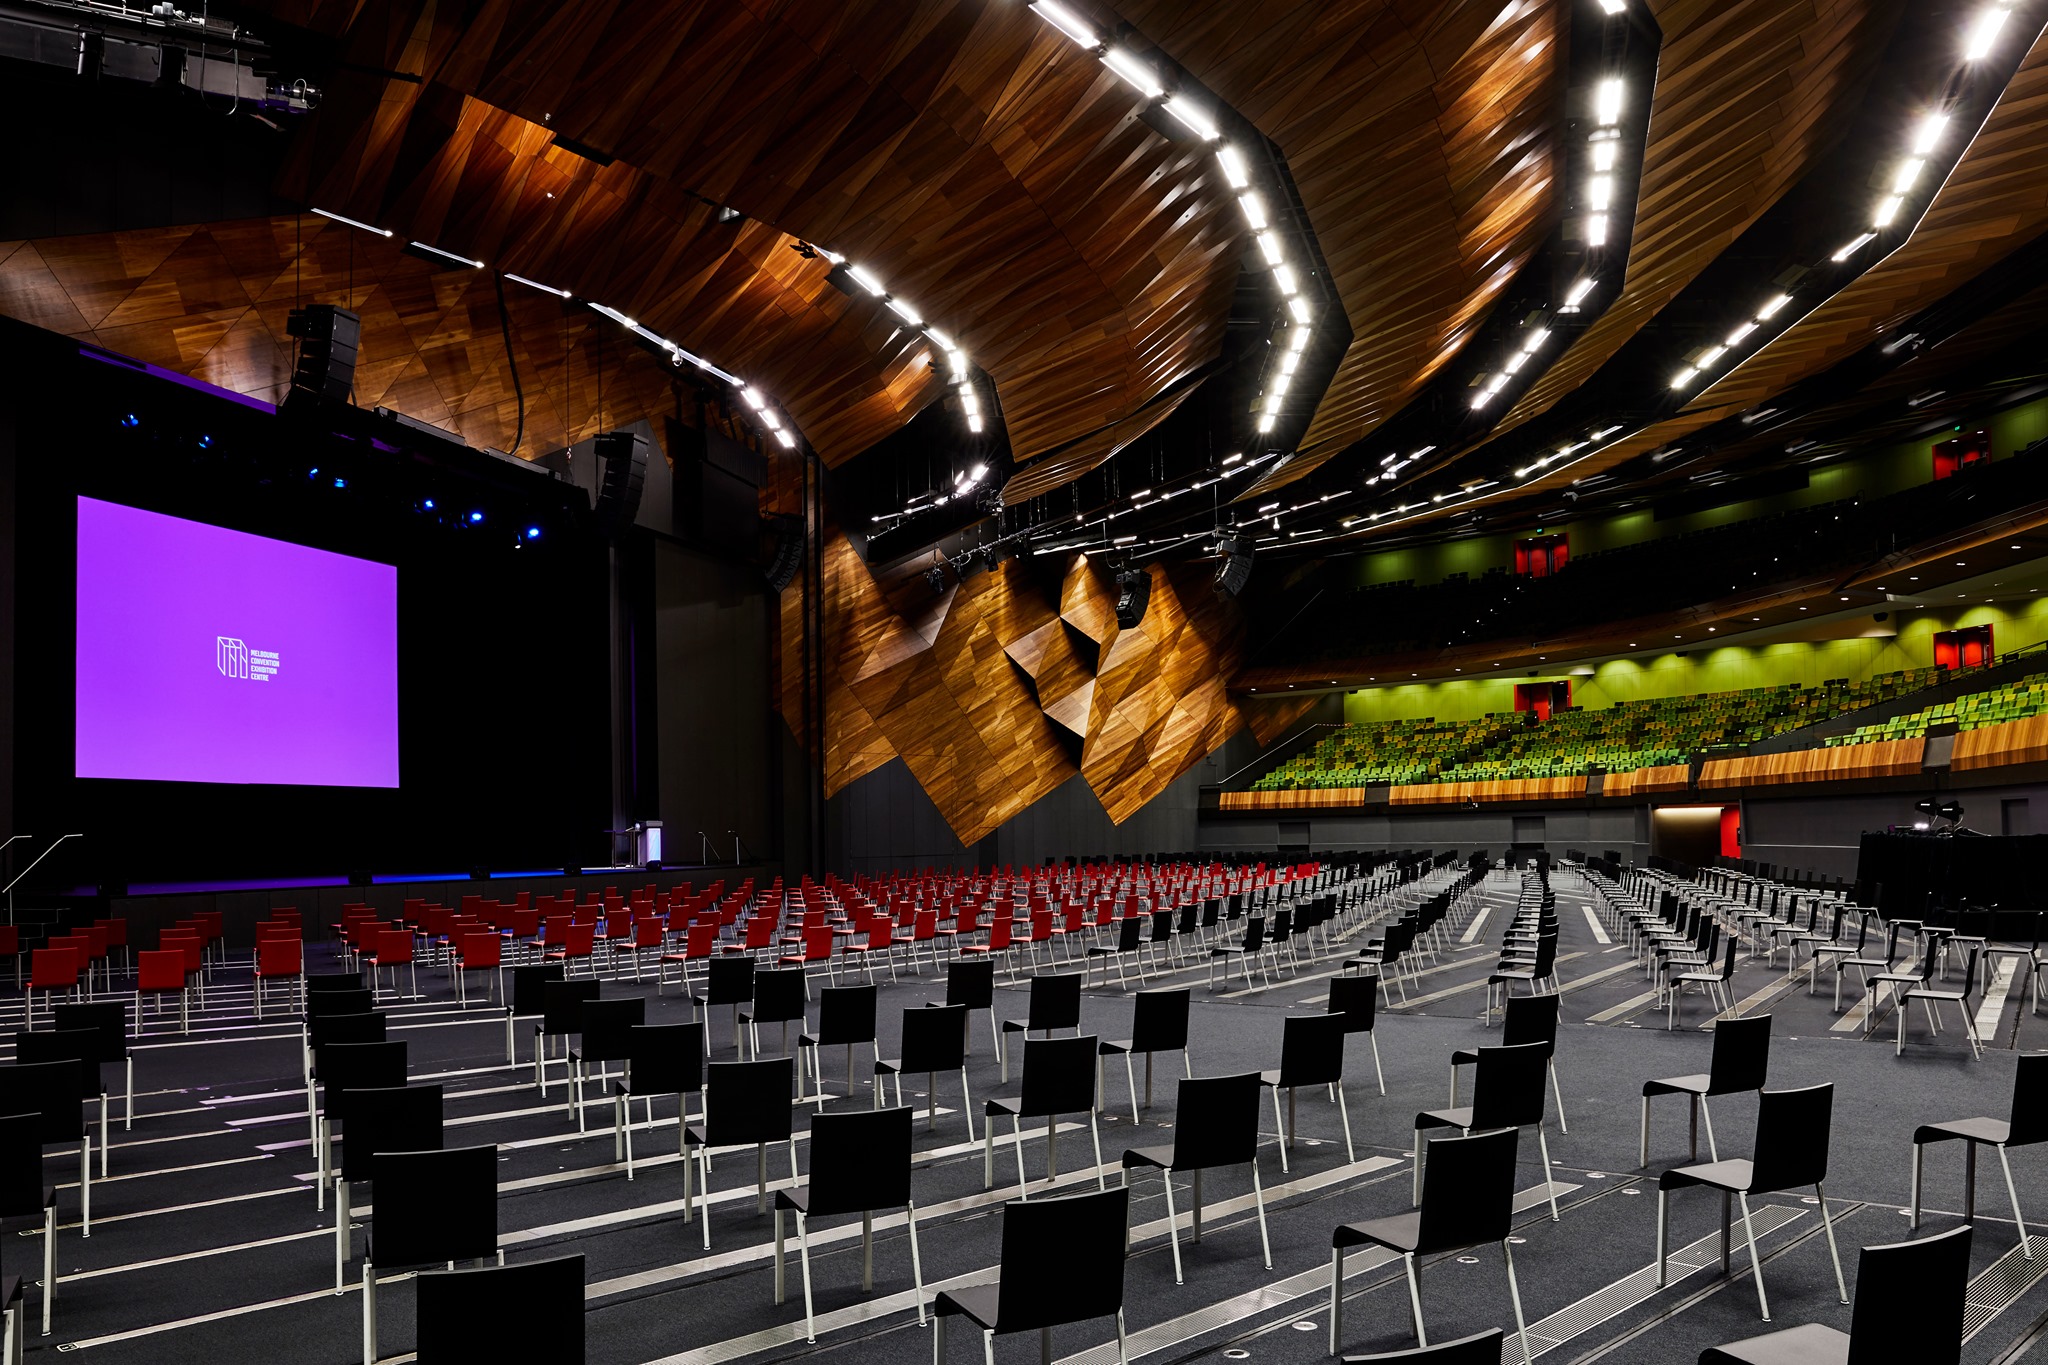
(577, 942)
(760, 936)
(158, 974)
(999, 931)
(192, 949)
(52, 969)
(478, 950)
(393, 949)
(213, 923)
(117, 937)
(648, 937)
(882, 940)
(698, 945)
(278, 959)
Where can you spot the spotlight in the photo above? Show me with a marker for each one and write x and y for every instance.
(533, 533)
(341, 483)
(205, 442)
(131, 420)
(314, 472)
(935, 578)
(475, 517)
(428, 504)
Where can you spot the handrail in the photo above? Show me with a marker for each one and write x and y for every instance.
(8, 890)
(1266, 756)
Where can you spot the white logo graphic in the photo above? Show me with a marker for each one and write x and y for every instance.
(235, 659)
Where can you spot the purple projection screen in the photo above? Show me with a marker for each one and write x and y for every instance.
(209, 655)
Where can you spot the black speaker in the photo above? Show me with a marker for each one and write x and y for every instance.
(789, 552)
(360, 876)
(1234, 570)
(571, 870)
(1133, 595)
(479, 873)
(622, 459)
(328, 340)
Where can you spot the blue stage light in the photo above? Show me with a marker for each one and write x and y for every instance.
(341, 483)
(131, 420)
(314, 472)
(428, 504)
(533, 533)
(206, 442)
(476, 516)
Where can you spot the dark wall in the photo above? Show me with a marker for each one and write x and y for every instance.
(712, 697)
(885, 821)
(1823, 833)
(1592, 831)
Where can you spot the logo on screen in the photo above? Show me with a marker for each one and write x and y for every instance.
(235, 659)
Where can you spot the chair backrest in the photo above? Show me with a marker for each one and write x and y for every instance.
(860, 1159)
(404, 1118)
(434, 1206)
(1483, 1348)
(748, 1102)
(729, 981)
(108, 1017)
(1531, 1019)
(277, 957)
(1162, 925)
(2029, 1100)
(22, 1187)
(78, 1046)
(480, 948)
(1216, 1122)
(1910, 1301)
(348, 1069)
(1468, 1190)
(1063, 1260)
(1312, 1049)
(1508, 1088)
(317, 982)
(530, 1310)
(934, 1039)
(561, 1005)
(529, 986)
(1130, 934)
(606, 1025)
(330, 1002)
(972, 984)
(1792, 1128)
(1055, 1001)
(1159, 1020)
(323, 1030)
(846, 1014)
(1742, 1055)
(1059, 1076)
(779, 995)
(1356, 997)
(160, 970)
(665, 1059)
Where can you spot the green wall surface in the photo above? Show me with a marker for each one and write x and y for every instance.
(1729, 668)
(1875, 473)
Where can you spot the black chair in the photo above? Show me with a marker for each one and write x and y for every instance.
(1216, 1123)
(2027, 1125)
(561, 1014)
(779, 998)
(432, 1207)
(1130, 942)
(1524, 1019)
(1062, 1262)
(1930, 995)
(81, 1048)
(1055, 1002)
(1480, 1349)
(860, 1162)
(338, 999)
(1507, 1092)
(1159, 1023)
(1910, 1302)
(53, 1093)
(532, 1310)
(1791, 1153)
(1713, 982)
(1246, 950)
(746, 1104)
(527, 998)
(846, 1017)
(971, 984)
(934, 1039)
(24, 1193)
(346, 1069)
(400, 1119)
(108, 1018)
(1311, 1053)
(727, 981)
(661, 1059)
(1468, 1198)
(1357, 996)
(604, 1036)
(325, 1029)
(1059, 1078)
(1741, 1063)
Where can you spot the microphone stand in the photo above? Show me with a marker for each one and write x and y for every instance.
(9, 888)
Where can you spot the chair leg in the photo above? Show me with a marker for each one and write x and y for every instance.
(1549, 1186)
(1344, 1113)
(1557, 1092)
(1828, 1226)
(803, 1254)
(966, 1100)
(1336, 1297)
(1017, 1133)
(1515, 1294)
(2012, 1192)
(1280, 1126)
(1172, 1226)
(1913, 1215)
(1095, 1135)
(1416, 1202)
(369, 1314)
(916, 1264)
(1756, 1264)
(1259, 1202)
(1663, 1232)
(1643, 1140)
(1415, 1296)
(49, 1263)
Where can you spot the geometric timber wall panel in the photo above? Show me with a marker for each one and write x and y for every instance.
(1003, 687)
(211, 301)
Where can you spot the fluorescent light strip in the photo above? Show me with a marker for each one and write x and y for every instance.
(536, 284)
(1135, 72)
(381, 232)
(446, 255)
(1197, 121)
(1067, 22)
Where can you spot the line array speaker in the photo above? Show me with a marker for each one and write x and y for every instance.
(1133, 595)
(329, 338)
(622, 457)
(1234, 570)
